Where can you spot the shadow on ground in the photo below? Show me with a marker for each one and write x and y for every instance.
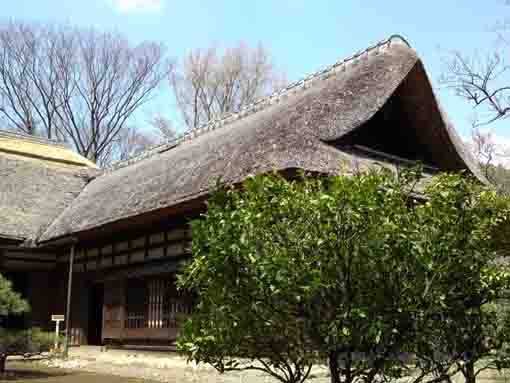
(29, 372)
(20, 375)
(26, 373)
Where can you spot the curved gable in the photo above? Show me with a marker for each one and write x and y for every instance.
(412, 125)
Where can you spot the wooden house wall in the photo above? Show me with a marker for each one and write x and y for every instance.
(141, 248)
(79, 304)
(113, 310)
(115, 263)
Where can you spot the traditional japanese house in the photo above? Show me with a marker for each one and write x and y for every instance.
(123, 231)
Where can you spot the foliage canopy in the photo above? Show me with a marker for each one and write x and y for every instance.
(357, 270)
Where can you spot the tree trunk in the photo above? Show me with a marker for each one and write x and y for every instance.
(3, 358)
(469, 372)
(333, 366)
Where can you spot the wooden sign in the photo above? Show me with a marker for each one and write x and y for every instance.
(58, 319)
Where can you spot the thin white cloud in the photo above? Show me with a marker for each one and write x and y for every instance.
(126, 6)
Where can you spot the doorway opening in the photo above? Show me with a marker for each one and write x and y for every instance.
(95, 314)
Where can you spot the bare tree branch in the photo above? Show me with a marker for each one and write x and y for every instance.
(210, 83)
(491, 154)
(483, 80)
(163, 127)
(128, 143)
(82, 86)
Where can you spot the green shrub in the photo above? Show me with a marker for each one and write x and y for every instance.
(23, 342)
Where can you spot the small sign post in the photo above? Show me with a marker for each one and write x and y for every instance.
(57, 319)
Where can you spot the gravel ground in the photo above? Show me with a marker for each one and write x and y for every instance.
(123, 367)
(160, 367)
(88, 364)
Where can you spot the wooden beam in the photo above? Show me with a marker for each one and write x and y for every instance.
(25, 259)
(99, 260)
(113, 253)
(165, 247)
(393, 157)
(183, 239)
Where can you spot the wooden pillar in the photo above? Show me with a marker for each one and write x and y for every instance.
(68, 305)
(123, 310)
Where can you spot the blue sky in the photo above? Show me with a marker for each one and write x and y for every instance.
(303, 35)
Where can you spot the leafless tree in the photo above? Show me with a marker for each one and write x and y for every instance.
(128, 143)
(78, 85)
(28, 77)
(483, 81)
(163, 127)
(485, 151)
(492, 157)
(483, 78)
(211, 83)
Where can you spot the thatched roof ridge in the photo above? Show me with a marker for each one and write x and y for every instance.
(259, 104)
(42, 149)
(296, 130)
(30, 137)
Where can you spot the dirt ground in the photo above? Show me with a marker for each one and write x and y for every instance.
(31, 372)
(88, 364)
(115, 366)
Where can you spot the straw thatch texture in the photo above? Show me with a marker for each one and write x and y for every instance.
(298, 129)
(33, 193)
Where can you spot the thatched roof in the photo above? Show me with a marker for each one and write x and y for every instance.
(38, 180)
(311, 125)
(41, 149)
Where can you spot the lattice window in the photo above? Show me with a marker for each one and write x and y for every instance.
(136, 315)
(176, 306)
(156, 298)
(155, 303)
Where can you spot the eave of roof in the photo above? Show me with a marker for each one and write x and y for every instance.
(11, 238)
